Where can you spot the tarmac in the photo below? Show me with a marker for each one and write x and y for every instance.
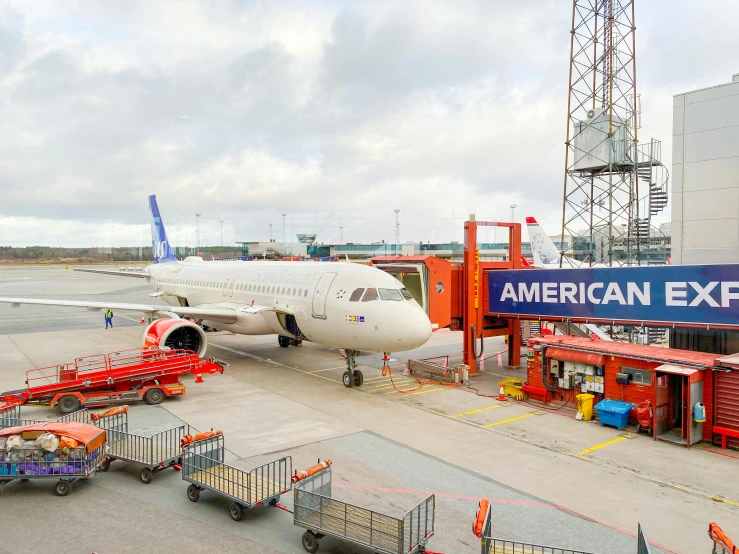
(551, 480)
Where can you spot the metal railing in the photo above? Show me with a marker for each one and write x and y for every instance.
(10, 416)
(81, 368)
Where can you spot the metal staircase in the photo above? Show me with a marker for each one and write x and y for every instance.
(650, 171)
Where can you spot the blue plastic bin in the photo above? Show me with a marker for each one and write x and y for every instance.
(614, 413)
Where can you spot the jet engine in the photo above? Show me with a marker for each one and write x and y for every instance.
(176, 334)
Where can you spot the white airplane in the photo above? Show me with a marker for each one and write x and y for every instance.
(545, 253)
(344, 305)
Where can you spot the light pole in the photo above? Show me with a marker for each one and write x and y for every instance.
(221, 222)
(270, 232)
(284, 236)
(341, 234)
(197, 233)
(513, 213)
(397, 230)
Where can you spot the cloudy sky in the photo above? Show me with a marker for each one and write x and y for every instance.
(334, 112)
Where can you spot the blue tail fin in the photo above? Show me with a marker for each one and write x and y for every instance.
(159, 244)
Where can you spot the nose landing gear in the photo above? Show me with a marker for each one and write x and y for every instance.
(352, 377)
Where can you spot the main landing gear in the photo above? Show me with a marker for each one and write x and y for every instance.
(352, 377)
(284, 342)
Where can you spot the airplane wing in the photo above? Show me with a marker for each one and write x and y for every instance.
(134, 272)
(221, 314)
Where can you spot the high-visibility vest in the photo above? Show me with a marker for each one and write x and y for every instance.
(108, 314)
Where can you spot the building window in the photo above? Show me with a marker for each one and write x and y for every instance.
(638, 376)
(356, 295)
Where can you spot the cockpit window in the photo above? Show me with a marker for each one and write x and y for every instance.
(391, 294)
(407, 295)
(356, 295)
(370, 295)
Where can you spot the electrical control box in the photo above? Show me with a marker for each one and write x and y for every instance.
(554, 366)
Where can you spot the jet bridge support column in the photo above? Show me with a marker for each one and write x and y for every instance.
(475, 325)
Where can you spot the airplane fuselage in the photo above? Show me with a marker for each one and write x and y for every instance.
(326, 303)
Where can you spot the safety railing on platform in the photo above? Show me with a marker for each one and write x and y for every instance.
(81, 367)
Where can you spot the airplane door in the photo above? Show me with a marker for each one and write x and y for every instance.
(231, 288)
(321, 294)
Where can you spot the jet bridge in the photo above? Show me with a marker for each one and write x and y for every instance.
(455, 295)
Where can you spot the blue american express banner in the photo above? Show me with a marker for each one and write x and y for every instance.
(681, 294)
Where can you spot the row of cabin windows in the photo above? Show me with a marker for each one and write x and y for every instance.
(264, 289)
(367, 295)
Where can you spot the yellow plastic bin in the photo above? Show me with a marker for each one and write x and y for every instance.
(585, 406)
(512, 387)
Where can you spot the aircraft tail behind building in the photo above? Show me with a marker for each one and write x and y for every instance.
(160, 247)
(543, 249)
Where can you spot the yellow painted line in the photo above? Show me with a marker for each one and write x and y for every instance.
(480, 410)
(719, 499)
(509, 420)
(406, 391)
(304, 371)
(276, 363)
(599, 446)
(425, 391)
(399, 384)
(327, 369)
(374, 378)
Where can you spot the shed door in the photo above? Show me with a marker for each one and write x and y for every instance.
(321, 294)
(696, 429)
(727, 403)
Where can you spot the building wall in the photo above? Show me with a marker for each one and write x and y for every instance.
(705, 175)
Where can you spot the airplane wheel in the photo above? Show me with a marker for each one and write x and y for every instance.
(347, 379)
(358, 378)
(284, 342)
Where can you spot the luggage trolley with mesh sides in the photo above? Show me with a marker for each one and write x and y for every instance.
(322, 515)
(66, 465)
(156, 453)
(492, 545)
(204, 468)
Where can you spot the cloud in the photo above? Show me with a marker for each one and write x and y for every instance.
(334, 113)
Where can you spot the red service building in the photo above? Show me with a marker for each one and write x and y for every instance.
(673, 381)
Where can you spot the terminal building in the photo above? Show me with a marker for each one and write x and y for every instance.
(705, 166)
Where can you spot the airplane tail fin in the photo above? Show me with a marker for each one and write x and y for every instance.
(543, 249)
(525, 262)
(160, 247)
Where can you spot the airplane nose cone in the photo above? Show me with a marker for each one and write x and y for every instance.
(417, 330)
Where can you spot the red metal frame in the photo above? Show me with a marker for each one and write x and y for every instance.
(95, 378)
(477, 324)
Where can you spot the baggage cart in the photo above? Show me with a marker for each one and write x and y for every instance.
(155, 453)
(322, 515)
(62, 464)
(204, 468)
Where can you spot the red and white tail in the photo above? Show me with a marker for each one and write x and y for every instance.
(543, 249)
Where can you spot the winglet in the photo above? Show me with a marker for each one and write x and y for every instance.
(160, 248)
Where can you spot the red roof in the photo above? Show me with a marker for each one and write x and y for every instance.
(626, 349)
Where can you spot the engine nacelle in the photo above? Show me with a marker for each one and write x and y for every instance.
(176, 334)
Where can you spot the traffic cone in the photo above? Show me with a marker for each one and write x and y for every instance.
(198, 378)
(142, 319)
(501, 395)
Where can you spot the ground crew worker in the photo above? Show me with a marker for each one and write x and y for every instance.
(108, 318)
